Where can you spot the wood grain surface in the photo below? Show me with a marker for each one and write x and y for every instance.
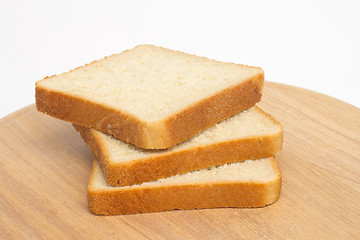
(45, 168)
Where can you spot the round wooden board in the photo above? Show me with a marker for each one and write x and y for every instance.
(45, 168)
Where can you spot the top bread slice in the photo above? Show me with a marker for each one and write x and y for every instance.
(149, 96)
(251, 134)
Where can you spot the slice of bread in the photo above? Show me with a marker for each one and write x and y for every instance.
(251, 134)
(149, 96)
(251, 183)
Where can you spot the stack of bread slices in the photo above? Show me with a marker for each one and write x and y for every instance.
(169, 130)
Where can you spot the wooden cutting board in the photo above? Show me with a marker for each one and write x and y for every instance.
(45, 168)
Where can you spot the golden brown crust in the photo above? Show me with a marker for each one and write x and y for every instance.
(177, 128)
(156, 167)
(89, 114)
(131, 200)
(207, 112)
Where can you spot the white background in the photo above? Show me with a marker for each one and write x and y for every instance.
(310, 44)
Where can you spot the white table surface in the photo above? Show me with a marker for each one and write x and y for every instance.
(310, 44)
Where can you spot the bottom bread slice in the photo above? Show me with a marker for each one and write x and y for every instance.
(251, 183)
